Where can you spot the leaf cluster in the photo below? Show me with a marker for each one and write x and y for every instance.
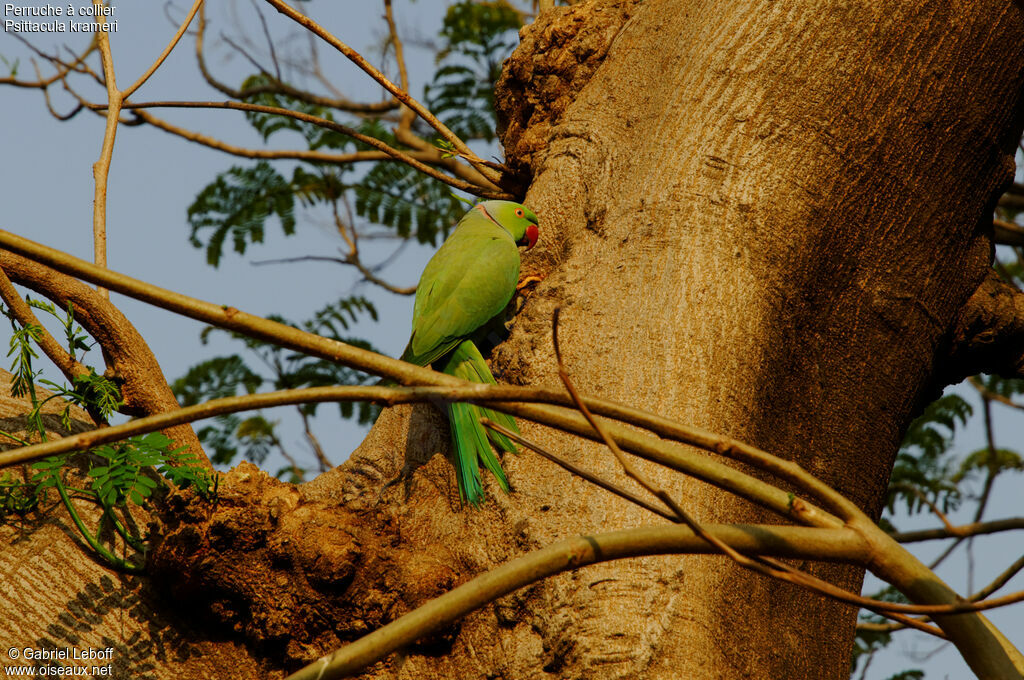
(268, 366)
(121, 473)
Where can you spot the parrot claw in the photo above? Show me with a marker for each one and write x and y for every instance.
(528, 280)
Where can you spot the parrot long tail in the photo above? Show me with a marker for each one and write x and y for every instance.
(470, 440)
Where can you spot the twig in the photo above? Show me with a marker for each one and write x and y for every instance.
(167, 50)
(270, 41)
(315, 156)
(101, 168)
(999, 581)
(339, 103)
(403, 96)
(927, 501)
(396, 154)
(580, 472)
(321, 457)
(993, 396)
(962, 531)
(408, 115)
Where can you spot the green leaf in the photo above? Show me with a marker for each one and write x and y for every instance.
(924, 466)
(237, 205)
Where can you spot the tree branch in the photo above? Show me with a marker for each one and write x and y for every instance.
(101, 168)
(564, 556)
(1007, 233)
(394, 153)
(167, 50)
(481, 166)
(278, 87)
(129, 360)
(962, 531)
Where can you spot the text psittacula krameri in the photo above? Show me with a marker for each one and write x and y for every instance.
(469, 281)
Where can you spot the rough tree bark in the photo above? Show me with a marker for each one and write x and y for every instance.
(760, 218)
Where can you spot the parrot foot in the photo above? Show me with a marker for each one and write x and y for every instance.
(528, 280)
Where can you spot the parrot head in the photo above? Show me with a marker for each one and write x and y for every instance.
(514, 218)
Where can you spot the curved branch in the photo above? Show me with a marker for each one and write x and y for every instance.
(129, 360)
(167, 50)
(394, 153)
(279, 87)
(962, 531)
(829, 544)
(403, 96)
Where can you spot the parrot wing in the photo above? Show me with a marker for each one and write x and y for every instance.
(469, 280)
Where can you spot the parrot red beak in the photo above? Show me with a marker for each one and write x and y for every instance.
(531, 236)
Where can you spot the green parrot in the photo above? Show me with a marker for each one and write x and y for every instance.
(467, 283)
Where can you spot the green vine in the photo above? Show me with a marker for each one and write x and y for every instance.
(119, 475)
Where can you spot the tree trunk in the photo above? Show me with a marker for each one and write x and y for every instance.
(759, 218)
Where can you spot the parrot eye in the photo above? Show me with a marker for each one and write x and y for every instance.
(519, 212)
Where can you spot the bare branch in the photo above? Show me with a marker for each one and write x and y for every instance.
(167, 50)
(336, 127)
(101, 168)
(1007, 233)
(482, 167)
(962, 531)
(562, 556)
(278, 87)
(596, 480)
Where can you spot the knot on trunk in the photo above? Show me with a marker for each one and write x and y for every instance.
(558, 54)
(293, 578)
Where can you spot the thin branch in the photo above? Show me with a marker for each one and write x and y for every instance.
(167, 50)
(62, 70)
(321, 457)
(25, 316)
(408, 115)
(950, 529)
(101, 168)
(270, 41)
(962, 531)
(396, 154)
(993, 396)
(49, 105)
(596, 480)
(339, 103)
(1007, 233)
(562, 556)
(315, 156)
(999, 581)
(402, 95)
